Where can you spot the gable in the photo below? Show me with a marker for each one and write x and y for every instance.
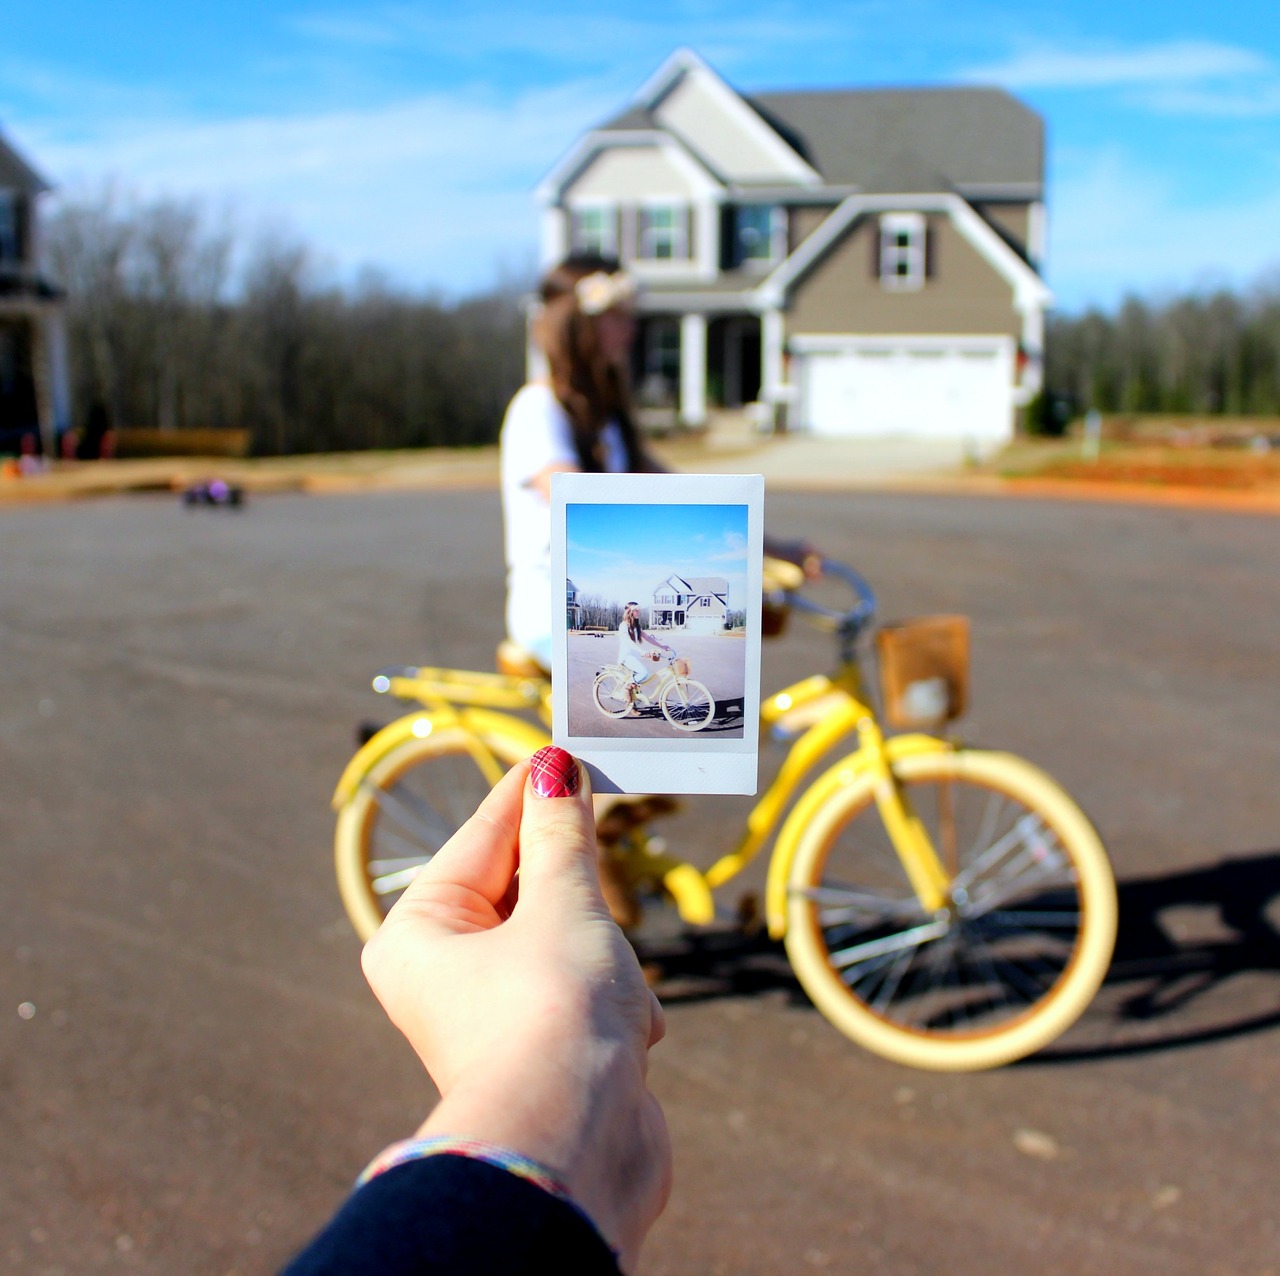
(715, 123)
(638, 173)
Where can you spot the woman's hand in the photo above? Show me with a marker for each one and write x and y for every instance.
(528, 1007)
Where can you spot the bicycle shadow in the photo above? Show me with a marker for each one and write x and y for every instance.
(1183, 938)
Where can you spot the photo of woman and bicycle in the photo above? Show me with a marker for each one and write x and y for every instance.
(656, 634)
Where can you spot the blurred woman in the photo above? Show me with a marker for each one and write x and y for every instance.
(577, 419)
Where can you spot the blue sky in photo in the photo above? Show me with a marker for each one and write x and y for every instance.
(621, 552)
(406, 136)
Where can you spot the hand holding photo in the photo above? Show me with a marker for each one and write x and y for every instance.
(656, 656)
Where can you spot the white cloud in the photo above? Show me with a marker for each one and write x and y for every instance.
(435, 189)
(1117, 227)
(1176, 62)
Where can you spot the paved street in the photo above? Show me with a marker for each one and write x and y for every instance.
(192, 1071)
(717, 662)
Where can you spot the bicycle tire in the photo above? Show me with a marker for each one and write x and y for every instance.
(1012, 960)
(408, 804)
(609, 691)
(687, 704)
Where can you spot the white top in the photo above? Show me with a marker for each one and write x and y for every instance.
(536, 433)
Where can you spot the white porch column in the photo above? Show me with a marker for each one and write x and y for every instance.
(693, 369)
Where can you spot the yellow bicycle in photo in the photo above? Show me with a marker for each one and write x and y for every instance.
(945, 907)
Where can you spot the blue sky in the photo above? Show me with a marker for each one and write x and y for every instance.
(407, 136)
(620, 552)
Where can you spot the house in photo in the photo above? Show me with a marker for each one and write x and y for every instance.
(699, 605)
(848, 262)
(34, 396)
(572, 609)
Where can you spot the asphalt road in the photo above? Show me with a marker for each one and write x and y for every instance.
(191, 1070)
(717, 662)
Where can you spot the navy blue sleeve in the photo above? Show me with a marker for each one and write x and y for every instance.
(443, 1214)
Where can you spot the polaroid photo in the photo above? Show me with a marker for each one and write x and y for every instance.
(656, 654)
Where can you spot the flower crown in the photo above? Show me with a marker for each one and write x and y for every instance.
(600, 292)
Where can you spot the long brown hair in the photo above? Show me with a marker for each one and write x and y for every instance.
(635, 630)
(591, 390)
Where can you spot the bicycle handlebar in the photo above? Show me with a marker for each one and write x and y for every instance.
(856, 616)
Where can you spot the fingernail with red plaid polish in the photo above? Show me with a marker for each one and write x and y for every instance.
(554, 772)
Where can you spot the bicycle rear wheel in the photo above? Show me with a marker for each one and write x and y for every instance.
(1011, 960)
(408, 804)
(687, 704)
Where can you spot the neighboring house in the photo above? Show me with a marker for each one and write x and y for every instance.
(698, 606)
(34, 398)
(573, 612)
(853, 261)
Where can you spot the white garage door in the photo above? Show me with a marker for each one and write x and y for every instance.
(920, 389)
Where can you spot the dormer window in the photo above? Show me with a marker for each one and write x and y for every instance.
(902, 251)
(664, 233)
(594, 230)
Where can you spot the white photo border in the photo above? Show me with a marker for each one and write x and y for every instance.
(693, 765)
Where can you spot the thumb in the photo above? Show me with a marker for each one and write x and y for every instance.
(557, 830)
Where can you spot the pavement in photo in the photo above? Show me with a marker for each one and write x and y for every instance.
(715, 661)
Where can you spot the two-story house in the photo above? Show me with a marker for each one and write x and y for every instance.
(698, 605)
(34, 401)
(854, 262)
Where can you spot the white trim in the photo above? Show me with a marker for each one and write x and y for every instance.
(1029, 290)
(856, 343)
(554, 237)
(912, 254)
(1037, 233)
(579, 157)
(685, 62)
(693, 369)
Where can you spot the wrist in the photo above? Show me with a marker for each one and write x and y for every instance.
(583, 1121)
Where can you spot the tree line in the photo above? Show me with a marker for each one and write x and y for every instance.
(1213, 353)
(176, 322)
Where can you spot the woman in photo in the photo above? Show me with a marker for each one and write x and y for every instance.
(632, 640)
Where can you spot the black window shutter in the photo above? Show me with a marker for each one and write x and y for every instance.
(876, 234)
(930, 250)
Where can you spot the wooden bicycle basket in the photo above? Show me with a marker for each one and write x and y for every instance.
(924, 670)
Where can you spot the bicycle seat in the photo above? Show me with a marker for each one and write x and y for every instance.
(516, 662)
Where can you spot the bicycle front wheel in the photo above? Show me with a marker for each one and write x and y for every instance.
(687, 704)
(610, 693)
(1009, 962)
(408, 804)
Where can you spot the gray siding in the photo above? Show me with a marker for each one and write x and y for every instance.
(841, 294)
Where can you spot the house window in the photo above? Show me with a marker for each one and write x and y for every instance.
(8, 226)
(662, 350)
(664, 233)
(594, 230)
(902, 250)
(753, 236)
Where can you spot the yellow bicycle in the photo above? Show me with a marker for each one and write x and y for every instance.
(945, 907)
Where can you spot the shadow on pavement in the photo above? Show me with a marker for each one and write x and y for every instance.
(1187, 943)
(1187, 946)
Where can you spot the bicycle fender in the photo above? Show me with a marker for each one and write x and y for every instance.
(849, 770)
(420, 725)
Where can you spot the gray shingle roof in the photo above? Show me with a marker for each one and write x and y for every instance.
(17, 174)
(911, 139)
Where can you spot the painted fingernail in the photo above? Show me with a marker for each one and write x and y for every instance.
(554, 772)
